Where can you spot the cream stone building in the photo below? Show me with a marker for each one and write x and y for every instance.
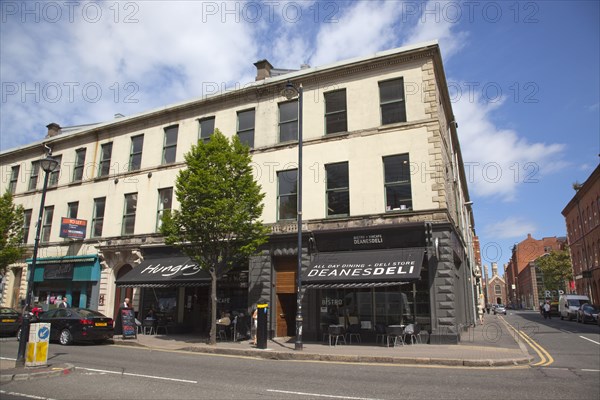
(385, 203)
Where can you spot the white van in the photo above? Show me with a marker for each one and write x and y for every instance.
(568, 304)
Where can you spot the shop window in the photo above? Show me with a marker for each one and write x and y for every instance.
(392, 102)
(338, 192)
(79, 165)
(170, 144)
(398, 194)
(287, 195)
(135, 155)
(47, 223)
(245, 130)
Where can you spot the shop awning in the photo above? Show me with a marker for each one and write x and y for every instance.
(165, 272)
(371, 268)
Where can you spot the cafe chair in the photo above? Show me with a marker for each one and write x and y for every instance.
(394, 333)
(222, 331)
(412, 331)
(380, 333)
(162, 324)
(148, 327)
(336, 332)
(353, 330)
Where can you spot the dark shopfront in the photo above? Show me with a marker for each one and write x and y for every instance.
(177, 290)
(73, 277)
(384, 275)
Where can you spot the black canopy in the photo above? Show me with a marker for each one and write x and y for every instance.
(364, 268)
(164, 272)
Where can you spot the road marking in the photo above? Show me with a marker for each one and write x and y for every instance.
(137, 375)
(593, 341)
(29, 396)
(320, 395)
(545, 357)
(591, 370)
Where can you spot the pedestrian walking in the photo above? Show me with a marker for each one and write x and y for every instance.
(547, 310)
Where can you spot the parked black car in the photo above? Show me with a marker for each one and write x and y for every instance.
(10, 321)
(68, 325)
(587, 313)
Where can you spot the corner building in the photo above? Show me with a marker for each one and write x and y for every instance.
(387, 220)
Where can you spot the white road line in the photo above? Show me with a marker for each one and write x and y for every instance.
(593, 341)
(591, 370)
(137, 375)
(320, 395)
(29, 396)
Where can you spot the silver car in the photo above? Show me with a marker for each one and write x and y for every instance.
(499, 309)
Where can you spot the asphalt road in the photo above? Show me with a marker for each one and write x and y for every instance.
(115, 372)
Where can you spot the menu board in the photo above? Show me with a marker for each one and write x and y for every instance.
(128, 323)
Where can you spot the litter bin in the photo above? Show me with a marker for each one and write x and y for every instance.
(261, 328)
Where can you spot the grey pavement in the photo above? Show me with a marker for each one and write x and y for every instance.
(492, 344)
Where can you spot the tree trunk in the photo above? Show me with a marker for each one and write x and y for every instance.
(213, 307)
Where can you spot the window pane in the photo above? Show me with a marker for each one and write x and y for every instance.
(335, 101)
(247, 137)
(392, 113)
(288, 111)
(33, 178)
(337, 175)
(26, 224)
(245, 120)
(171, 136)
(105, 159)
(287, 207)
(128, 225)
(98, 221)
(130, 203)
(72, 209)
(397, 168)
(136, 162)
(54, 175)
(207, 128)
(137, 144)
(398, 197)
(335, 123)
(391, 90)
(79, 162)
(170, 155)
(287, 181)
(288, 131)
(338, 203)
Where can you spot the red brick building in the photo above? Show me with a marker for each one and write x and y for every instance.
(523, 253)
(582, 216)
(495, 287)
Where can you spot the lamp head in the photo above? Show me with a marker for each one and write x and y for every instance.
(48, 164)
(289, 91)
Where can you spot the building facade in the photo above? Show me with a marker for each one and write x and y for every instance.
(387, 220)
(496, 291)
(520, 287)
(582, 218)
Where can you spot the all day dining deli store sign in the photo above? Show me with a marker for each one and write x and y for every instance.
(366, 266)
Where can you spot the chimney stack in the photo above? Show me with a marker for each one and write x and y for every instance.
(263, 69)
(53, 130)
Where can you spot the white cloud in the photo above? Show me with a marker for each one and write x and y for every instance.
(367, 27)
(509, 228)
(436, 22)
(498, 160)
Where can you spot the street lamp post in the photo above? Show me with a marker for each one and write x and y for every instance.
(290, 91)
(48, 165)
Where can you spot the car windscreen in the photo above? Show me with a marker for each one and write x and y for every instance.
(576, 302)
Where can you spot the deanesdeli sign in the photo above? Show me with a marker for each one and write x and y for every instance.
(365, 266)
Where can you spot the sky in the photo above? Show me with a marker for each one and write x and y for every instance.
(523, 78)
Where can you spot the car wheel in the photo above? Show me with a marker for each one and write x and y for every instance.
(65, 337)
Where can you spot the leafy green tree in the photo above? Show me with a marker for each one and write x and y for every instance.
(218, 223)
(556, 269)
(11, 232)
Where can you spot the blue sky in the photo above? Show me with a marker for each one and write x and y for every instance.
(523, 76)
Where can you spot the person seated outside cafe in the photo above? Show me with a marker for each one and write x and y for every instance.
(150, 315)
(225, 319)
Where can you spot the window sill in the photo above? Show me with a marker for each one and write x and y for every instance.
(393, 126)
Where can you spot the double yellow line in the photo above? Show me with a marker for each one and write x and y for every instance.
(545, 357)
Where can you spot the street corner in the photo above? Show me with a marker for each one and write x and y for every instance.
(33, 373)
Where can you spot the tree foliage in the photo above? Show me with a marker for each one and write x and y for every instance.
(556, 269)
(218, 222)
(11, 232)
